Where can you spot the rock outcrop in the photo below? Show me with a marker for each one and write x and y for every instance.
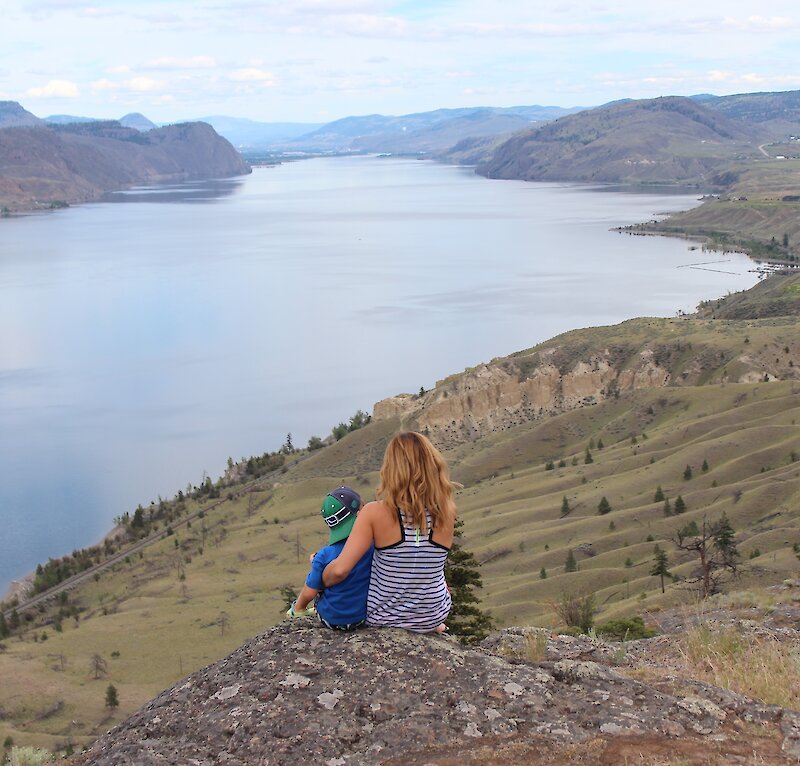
(302, 694)
(569, 372)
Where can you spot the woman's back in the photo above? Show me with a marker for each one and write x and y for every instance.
(407, 588)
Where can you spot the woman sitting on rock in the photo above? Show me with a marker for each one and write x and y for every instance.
(411, 526)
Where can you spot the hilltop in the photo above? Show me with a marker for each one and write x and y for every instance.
(645, 399)
(662, 140)
(44, 166)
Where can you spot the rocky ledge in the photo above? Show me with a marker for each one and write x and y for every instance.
(302, 694)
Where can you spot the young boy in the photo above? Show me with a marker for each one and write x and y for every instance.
(342, 606)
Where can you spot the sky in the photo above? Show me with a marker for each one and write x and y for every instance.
(318, 60)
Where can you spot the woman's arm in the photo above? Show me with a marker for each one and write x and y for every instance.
(361, 537)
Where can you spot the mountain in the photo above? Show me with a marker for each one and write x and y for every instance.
(251, 134)
(68, 119)
(422, 132)
(13, 115)
(663, 140)
(45, 166)
(776, 113)
(137, 121)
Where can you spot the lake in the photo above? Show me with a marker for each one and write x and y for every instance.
(146, 338)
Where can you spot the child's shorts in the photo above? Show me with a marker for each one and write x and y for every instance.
(350, 626)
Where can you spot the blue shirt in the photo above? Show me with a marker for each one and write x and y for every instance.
(346, 602)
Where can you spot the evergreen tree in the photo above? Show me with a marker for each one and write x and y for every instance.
(667, 507)
(715, 547)
(600, 444)
(466, 621)
(705, 466)
(603, 507)
(680, 505)
(565, 509)
(14, 621)
(660, 565)
(570, 565)
(659, 495)
(112, 700)
(687, 472)
(288, 447)
(587, 458)
(542, 574)
(5, 631)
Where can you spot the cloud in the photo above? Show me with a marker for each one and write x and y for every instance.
(251, 74)
(134, 84)
(144, 84)
(192, 62)
(103, 85)
(55, 89)
(121, 69)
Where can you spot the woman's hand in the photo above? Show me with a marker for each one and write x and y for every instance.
(358, 543)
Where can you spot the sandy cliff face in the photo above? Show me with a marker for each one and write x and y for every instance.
(495, 396)
(567, 373)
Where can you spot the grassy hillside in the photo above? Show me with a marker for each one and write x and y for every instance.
(197, 594)
(662, 140)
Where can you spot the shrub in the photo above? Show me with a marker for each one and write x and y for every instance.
(576, 611)
(625, 629)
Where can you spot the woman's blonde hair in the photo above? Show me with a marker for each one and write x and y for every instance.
(415, 478)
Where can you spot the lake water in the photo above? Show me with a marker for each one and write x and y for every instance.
(145, 339)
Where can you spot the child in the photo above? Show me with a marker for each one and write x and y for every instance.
(342, 606)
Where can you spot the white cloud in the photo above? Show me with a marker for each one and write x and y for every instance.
(104, 84)
(251, 74)
(55, 89)
(121, 69)
(192, 62)
(144, 84)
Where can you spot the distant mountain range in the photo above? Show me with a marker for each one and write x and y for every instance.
(45, 165)
(694, 140)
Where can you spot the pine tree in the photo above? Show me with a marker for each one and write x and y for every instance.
(660, 565)
(542, 574)
(659, 495)
(603, 507)
(680, 505)
(565, 509)
(705, 466)
(687, 472)
(600, 444)
(587, 458)
(667, 507)
(466, 621)
(570, 565)
(5, 631)
(112, 700)
(716, 549)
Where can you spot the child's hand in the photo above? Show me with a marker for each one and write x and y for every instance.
(310, 611)
(311, 558)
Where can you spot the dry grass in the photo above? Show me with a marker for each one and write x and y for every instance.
(760, 667)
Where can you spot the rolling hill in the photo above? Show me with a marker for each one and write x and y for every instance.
(662, 140)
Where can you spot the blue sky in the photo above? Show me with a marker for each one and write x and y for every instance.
(317, 60)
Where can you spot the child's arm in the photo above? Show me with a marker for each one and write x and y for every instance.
(307, 595)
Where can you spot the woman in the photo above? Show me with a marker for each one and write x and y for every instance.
(411, 526)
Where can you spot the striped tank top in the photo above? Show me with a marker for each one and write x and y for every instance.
(407, 587)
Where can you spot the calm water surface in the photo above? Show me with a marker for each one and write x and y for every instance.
(145, 339)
